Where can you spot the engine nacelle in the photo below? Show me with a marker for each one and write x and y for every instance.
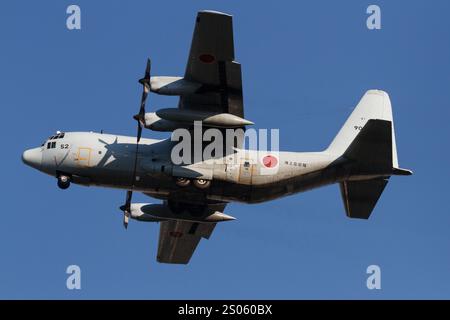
(170, 119)
(173, 86)
(161, 212)
(138, 214)
(155, 123)
(208, 118)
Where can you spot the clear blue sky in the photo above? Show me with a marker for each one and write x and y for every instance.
(305, 66)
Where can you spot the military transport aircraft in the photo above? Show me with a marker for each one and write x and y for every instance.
(361, 158)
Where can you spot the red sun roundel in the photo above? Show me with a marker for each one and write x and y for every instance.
(270, 161)
(175, 234)
(207, 58)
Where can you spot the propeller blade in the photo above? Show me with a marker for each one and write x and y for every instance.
(125, 221)
(126, 208)
(147, 69)
(145, 81)
(139, 133)
(128, 199)
(141, 114)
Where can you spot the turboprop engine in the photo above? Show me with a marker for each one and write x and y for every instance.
(161, 212)
(170, 119)
(173, 86)
(155, 123)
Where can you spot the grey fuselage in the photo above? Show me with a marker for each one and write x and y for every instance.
(107, 160)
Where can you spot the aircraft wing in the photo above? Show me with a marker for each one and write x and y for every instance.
(179, 239)
(211, 64)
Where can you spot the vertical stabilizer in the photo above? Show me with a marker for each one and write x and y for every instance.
(374, 105)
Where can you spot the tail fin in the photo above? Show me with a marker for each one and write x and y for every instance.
(367, 140)
(374, 105)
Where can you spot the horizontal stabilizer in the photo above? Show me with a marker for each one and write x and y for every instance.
(360, 197)
(401, 172)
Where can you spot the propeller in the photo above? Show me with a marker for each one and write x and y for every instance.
(126, 208)
(140, 118)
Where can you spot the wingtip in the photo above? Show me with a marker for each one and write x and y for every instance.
(402, 172)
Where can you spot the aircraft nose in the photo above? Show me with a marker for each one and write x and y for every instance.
(33, 157)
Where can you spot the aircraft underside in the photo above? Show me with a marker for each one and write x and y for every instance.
(194, 194)
(167, 189)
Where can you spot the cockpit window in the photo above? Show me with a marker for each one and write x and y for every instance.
(51, 144)
(57, 136)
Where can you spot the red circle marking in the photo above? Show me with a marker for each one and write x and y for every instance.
(270, 161)
(175, 234)
(207, 58)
